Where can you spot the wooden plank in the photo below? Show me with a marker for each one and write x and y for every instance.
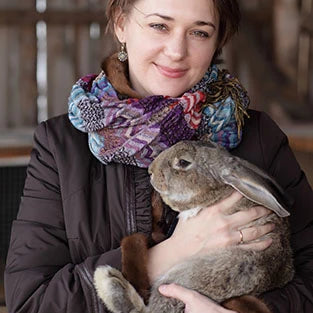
(82, 39)
(305, 159)
(301, 144)
(17, 4)
(93, 43)
(61, 50)
(27, 78)
(61, 4)
(61, 67)
(103, 46)
(84, 46)
(286, 35)
(307, 23)
(19, 107)
(300, 136)
(310, 95)
(14, 116)
(21, 88)
(108, 44)
(4, 76)
(303, 64)
(13, 152)
(57, 16)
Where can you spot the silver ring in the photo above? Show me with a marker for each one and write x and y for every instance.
(241, 237)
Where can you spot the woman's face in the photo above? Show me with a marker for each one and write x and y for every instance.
(170, 44)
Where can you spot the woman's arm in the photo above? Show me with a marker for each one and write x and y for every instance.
(194, 301)
(209, 230)
(40, 274)
(297, 296)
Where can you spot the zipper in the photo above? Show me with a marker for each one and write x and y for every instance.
(130, 201)
(89, 282)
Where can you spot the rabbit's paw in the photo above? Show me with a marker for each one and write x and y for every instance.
(116, 292)
(246, 304)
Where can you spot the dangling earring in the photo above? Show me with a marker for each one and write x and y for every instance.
(122, 55)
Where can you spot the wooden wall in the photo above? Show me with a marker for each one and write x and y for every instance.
(71, 52)
(284, 27)
(273, 57)
(18, 70)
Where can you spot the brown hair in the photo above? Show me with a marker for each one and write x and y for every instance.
(229, 14)
(228, 11)
(115, 8)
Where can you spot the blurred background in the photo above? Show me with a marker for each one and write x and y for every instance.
(46, 45)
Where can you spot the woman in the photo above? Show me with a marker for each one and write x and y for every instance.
(87, 186)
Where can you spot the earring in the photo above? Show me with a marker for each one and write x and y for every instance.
(122, 55)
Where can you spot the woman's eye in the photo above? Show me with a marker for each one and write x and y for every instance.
(200, 34)
(159, 27)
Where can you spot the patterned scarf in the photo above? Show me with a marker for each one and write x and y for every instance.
(134, 131)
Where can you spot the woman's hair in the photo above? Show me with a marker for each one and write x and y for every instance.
(229, 15)
(228, 11)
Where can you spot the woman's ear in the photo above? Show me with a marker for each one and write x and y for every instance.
(120, 26)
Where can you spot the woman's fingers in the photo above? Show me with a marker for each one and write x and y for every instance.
(213, 229)
(257, 246)
(251, 237)
(242, 218)
(177, 292)
(247, 237)
(194, 301)
(228, 202)
(255, 232)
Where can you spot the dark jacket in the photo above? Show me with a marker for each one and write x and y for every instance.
(75, 211)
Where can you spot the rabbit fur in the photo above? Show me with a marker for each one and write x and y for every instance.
(192, 175)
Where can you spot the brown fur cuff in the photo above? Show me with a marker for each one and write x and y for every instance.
(116, 72)
(246, 304)
(134, 262)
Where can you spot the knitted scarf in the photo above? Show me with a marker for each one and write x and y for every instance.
(134, 131)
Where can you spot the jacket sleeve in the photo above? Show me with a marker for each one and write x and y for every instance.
(40, 275)
(296, 296)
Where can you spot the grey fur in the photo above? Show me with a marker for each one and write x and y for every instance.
(195, 175)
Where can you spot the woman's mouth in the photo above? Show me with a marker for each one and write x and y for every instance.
(171, 72)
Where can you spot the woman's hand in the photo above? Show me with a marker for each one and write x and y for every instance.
(194, 301)
(211, 229)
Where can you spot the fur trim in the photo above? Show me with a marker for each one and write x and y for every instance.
(134, 263)
(157, 213)
(116, 72)
(246, 304)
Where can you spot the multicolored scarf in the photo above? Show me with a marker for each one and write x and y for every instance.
(134, 131)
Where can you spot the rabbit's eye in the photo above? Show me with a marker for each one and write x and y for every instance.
(183, 163)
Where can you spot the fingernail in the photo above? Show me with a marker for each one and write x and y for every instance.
(163, 288)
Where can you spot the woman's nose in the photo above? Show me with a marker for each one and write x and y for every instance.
(176, 47)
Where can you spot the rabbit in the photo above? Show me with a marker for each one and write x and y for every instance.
(192, 175)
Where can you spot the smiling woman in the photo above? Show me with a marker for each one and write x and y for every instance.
(88, 201)
(172, 44)
(178, 47)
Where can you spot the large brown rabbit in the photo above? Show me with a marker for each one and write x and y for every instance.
(190, 176)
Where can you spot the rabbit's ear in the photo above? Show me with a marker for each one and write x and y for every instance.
(255, 185)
